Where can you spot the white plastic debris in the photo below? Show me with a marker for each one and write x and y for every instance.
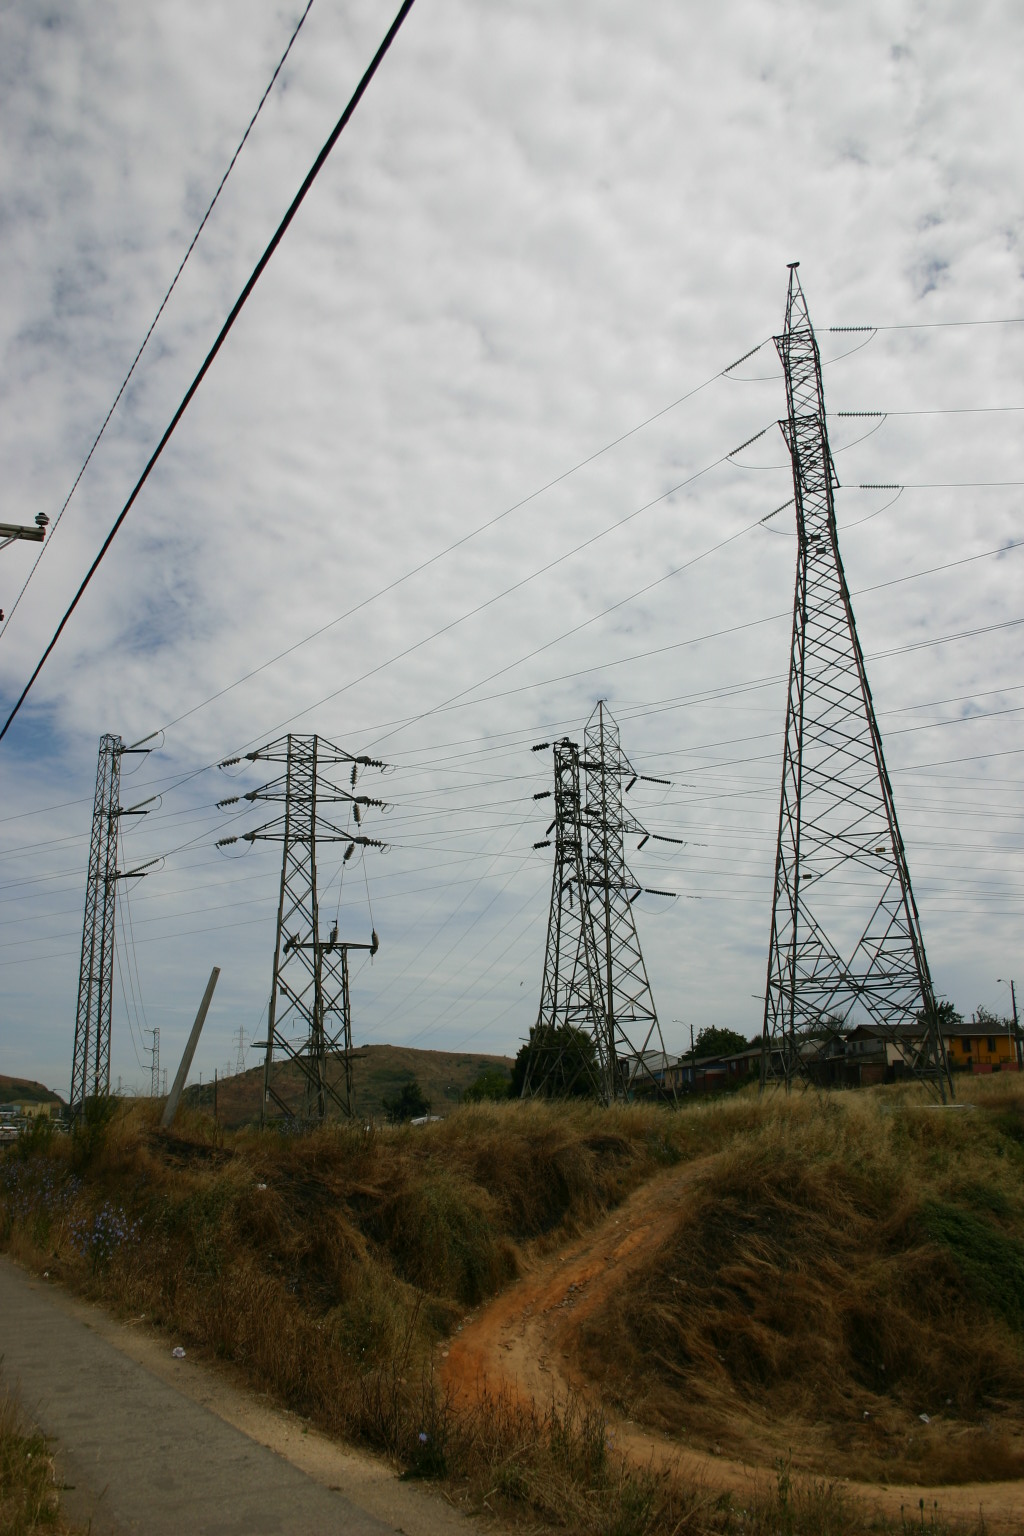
(261, 1186)
(178, 1352)
(924, 1418)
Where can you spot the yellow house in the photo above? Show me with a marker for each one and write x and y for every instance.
(973, 1050)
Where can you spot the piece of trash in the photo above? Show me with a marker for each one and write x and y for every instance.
(867, 1415)
(423, 1437)
(924, 1418)
(178, 1352)
(46, 1274)
(261, 1186)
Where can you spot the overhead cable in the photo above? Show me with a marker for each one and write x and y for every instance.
(153, 323)
(236, 310)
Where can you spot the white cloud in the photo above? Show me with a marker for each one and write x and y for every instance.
(541, 227)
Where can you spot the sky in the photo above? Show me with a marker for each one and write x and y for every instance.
(466, 465)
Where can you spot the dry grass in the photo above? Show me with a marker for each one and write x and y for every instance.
(845, 1267)
(29, 1496)
(819, 1250)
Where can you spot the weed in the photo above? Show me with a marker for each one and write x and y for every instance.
(29, 1497)
(326, 1267)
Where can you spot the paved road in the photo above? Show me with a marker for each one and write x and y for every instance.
(143, 1455)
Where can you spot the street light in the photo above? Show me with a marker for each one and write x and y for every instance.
(1016, 1026)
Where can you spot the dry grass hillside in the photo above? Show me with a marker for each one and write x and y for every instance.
(831, 1259)
(847, 1279)
(378, 1072)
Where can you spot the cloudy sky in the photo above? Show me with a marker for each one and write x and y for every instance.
(499, 322)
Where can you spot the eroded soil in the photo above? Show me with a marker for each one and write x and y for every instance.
(525, 1340)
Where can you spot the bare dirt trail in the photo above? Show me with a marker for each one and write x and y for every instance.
(522, 1342)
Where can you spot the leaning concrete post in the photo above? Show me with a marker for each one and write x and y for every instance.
(171, 1107)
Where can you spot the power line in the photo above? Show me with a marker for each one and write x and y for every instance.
(163, 304)
(924, 325)
(236, 310)
(466, 538)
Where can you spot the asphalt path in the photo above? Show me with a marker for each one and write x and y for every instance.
(142, 1453)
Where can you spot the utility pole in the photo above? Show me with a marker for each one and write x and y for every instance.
(90, 1068)
(1016, 1024)
(309, 1020)
(830, 958)
(9, 532)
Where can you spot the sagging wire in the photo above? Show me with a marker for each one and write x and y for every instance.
(878, 512)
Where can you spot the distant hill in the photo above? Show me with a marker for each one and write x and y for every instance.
(378, 1071)
(16, 1088)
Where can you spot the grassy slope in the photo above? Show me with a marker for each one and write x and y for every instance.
(831, 1239)
(843, 1269)
(378, 1071)
(18, 1088)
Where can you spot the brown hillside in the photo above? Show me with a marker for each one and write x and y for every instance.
(379, 1071)
(26, 1088)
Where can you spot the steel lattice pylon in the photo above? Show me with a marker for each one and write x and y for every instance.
(90, 1069)
(309, 1020)
(632, 1032)
(570, 999)
(595, 980)
(846, 942)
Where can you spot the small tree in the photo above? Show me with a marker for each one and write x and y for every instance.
(992, 1022)
(950, 1022)
(713, 1041)
(407, 1104)
(492, 1084)
(561, 1063)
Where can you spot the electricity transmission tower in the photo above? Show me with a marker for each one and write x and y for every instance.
(154, 1064)
(90, 1068)
(240, 1053)
(595, 980)
(571, 1007)
(845, 937)
(309, 1022)
(632, 1031)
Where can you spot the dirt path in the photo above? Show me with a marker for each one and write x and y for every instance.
(523, 1342)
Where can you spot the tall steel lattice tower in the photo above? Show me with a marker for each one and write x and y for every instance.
(632, 1032)
(846, 942)
(90, 1068)
(309, 1021)
(570, 999)
(595, 980)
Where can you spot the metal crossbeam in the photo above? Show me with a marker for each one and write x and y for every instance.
(846, 943)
